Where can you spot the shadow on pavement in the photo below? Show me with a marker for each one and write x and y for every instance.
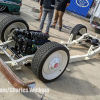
(75, 86)
(32, 96)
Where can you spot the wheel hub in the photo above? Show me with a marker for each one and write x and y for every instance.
(54, 64)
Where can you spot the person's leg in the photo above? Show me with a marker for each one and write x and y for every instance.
(50, 15)
(56, 18)
(40, 14)
(60, 19)
(43, 19)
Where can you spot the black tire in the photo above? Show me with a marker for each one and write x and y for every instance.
(76, 29)
(2, 8)
(5, 23)
(41, 56)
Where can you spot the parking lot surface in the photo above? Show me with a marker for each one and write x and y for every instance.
(82, 83)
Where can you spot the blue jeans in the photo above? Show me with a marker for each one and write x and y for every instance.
(50, 13)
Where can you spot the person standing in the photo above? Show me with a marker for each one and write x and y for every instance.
(40, 14)
(60, 9)
(40, 11)
(48, 8)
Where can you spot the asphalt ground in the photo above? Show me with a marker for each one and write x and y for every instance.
(82, 83)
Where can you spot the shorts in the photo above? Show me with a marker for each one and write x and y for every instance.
(41, 10)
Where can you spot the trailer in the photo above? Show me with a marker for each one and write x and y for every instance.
(95, 17)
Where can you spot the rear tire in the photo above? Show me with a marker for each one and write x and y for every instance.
(9, 23)
(50, 61)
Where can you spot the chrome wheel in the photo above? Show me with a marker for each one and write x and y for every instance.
(2, 7)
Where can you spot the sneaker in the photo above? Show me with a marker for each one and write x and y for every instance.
(52, 26)
(47, 33)
(37, 19)
(39, 30)
(60, 28)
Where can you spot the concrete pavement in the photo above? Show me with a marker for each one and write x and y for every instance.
(82, 83)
